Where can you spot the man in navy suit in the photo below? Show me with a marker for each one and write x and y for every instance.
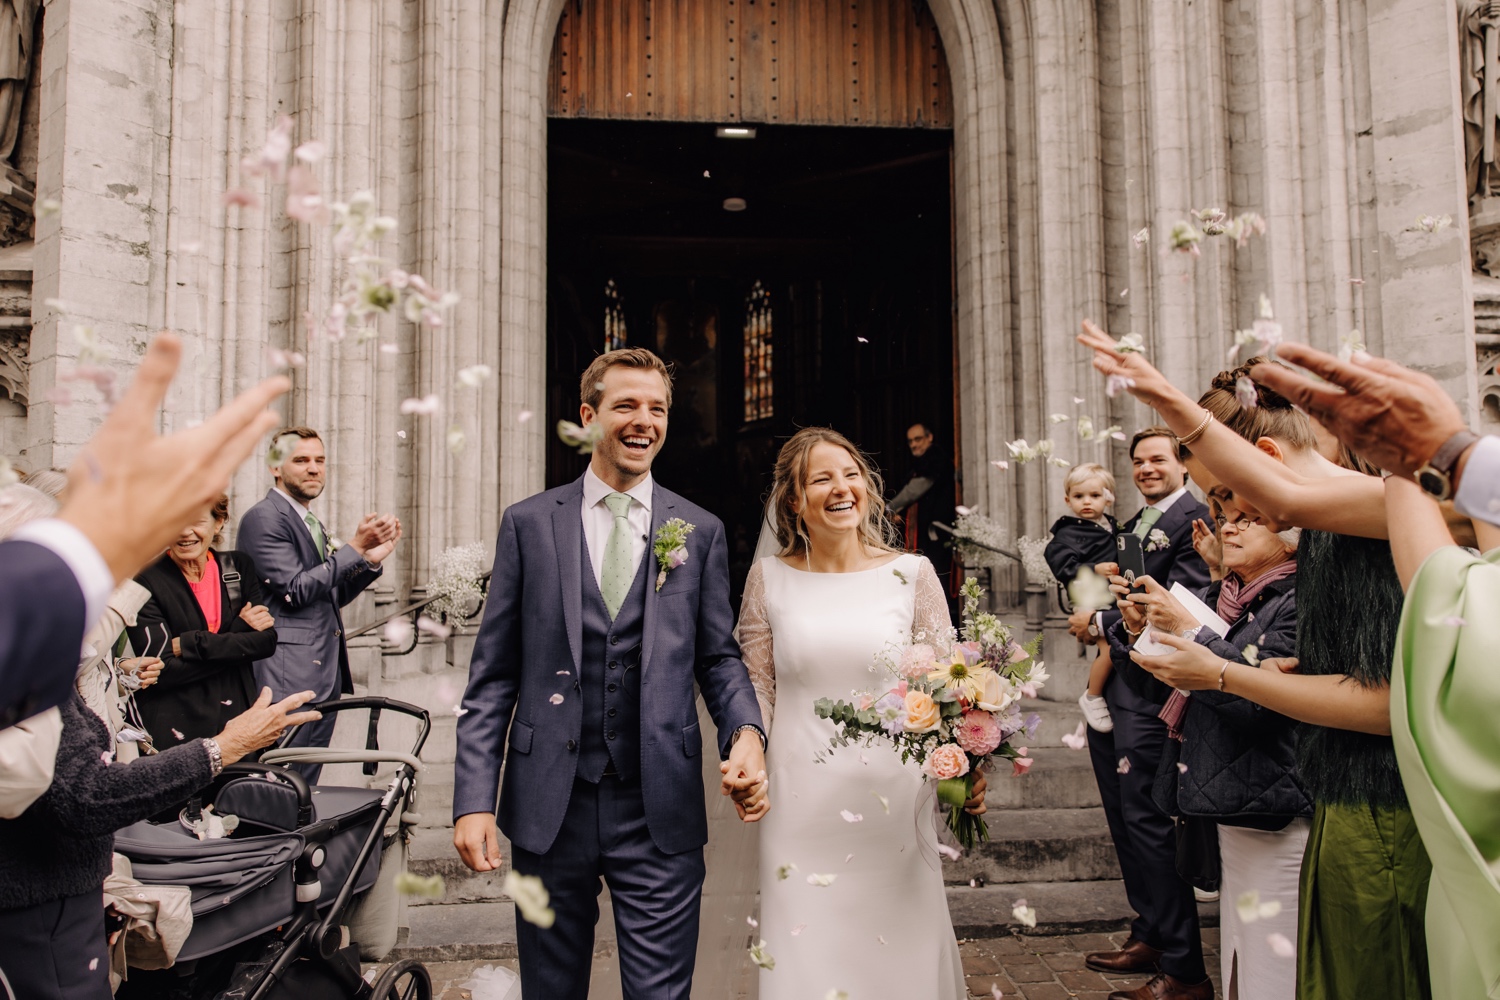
(130, 490)
(308, 581)
(1165, 932)
(584, 668)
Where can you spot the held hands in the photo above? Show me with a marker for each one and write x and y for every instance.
(263, 723)
(478, 841)
(745, 778)
(257, 616)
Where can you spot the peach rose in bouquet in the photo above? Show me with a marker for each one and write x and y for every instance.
(922, 714)
(946, 762)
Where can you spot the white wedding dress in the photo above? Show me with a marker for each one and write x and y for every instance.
(881, 928)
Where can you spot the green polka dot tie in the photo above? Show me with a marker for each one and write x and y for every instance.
(614, 576)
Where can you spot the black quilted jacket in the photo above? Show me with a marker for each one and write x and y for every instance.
(1241, 759)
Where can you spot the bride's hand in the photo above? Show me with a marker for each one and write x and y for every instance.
(745, 777)
(975, 806)
(1145, 382)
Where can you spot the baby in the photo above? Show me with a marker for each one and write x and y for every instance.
(1082, 538)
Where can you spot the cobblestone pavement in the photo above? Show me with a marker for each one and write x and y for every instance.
(1023, 967)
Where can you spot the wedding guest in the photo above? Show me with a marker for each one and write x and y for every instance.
(1238, 761)
(1443, 698)
(55, 856)
(60, 571)
(207, 622)
(1365, 871)
(1084, 537)
(1164, 936)
(927, 497)
(307, 580)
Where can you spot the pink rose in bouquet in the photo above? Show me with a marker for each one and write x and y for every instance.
(978, 732)
(947, 761)
(917, 660)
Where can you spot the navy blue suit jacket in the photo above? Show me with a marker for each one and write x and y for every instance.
(41, 630)
(532, 632)
(304, 594)
(1175, 562)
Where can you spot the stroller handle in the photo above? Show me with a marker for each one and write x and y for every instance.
(375, 704)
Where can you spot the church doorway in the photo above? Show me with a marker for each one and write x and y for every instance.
(795, 275)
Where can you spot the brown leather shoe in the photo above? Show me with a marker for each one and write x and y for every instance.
(1136, 956)
(1164, 987)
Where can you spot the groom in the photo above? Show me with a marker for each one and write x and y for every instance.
(584, 667)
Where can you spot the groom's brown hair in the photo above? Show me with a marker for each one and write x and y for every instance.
(591, 385)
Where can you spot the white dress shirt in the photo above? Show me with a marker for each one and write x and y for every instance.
(1479, 490)
(598, 522)
(1166, 502)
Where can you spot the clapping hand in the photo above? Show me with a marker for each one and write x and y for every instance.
(1206, 543)
(257, 616)
(745, 778)
(376, 537)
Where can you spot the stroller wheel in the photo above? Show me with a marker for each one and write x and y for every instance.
(406, 980)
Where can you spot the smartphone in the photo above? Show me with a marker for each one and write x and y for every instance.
(1131, 557)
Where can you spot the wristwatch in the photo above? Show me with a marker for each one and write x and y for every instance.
(1436, 477)
(1191, 634)
(1095, 620)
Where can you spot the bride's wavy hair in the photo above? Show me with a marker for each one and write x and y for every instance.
(787, 487)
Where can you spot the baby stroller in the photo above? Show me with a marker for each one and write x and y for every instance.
(282, 906)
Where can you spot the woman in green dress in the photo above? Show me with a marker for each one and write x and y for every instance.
(1365, 872)
(1445, 698)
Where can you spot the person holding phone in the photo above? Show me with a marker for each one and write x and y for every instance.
(1164, 935)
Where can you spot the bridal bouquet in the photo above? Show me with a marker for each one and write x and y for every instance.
(952, 707)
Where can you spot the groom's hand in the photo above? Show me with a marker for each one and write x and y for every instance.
(745, 777)
(478, 841)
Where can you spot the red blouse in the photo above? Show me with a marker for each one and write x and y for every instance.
(207, 592)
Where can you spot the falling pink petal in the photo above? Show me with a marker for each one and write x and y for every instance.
(1455, 621)
(106, 757)
(848, 858)
(1124, 767)
(1356, 281)
(459, 711)
(863, 340)
(556, 699)
(1000, 464)
(1245, 393)
(433, 628)
(851, 817)
(1124, 292)
(523, 416)
(93, 964)
(389, 349)
(949, 852)
(1181, 767)
(311, 151)
(426, 406)
(1281, 946)
(177, 733)
(241, 198)
(398, 632)
(1075, 740)
(752, 921)
(227, 701)
(798, 929)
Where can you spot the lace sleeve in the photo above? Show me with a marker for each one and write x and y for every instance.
(754, 636)
(930, 620)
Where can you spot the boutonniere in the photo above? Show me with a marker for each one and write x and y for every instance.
(1157, 540)
(671, 547)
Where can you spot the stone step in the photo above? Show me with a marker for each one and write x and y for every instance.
(486, 931)
(432, 853)
(1060, 778)
(1041, 845)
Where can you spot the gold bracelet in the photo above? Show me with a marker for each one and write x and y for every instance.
(1208, 418)
(1222, 671)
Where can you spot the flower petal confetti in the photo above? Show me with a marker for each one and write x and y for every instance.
(433, 628)
(556, 699)
(885, 803)
(1181, 768)
(531, 898)
(1455, 621)
(426, 406)
(1250, 908)
(1025, 914)
(851, 817)
(1245, 393)
(1131, 343)
(1075, 740)
(784, 872)
(1282, 947)
(1116, 384)
(821, 880)
(582, 438)
(475, 375)
(1141, 237)
(796, 931)
(456, 439)
(752, 921)
(1124, 767)
(1252, 654)
(761, 957)
(949, 851)
(1431, 224)
(398, 632)
(428, 887)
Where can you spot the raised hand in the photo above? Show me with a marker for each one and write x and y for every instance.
(1393, 416)
(130, 490)
(389, 527)
(257, 616)
(1130, 371)
(1206, 543)
(263, 723)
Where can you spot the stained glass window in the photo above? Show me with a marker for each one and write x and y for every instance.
(614, 317)
(758, 377)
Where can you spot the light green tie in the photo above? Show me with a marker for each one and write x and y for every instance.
(1148, 520)
(320, 541)
(614, 575)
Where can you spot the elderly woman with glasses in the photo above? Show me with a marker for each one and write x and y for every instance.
(1238, 762)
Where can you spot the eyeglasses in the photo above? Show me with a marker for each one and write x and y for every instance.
(1240, 523)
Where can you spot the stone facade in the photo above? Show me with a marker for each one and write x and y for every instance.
(1076, 124)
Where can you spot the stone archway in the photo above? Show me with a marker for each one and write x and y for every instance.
(971, 34)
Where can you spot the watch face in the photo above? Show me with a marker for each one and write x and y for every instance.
(1433, 482)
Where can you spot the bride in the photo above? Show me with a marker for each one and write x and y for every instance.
(851, 883)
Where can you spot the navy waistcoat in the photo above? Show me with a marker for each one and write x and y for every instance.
(611, 681)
